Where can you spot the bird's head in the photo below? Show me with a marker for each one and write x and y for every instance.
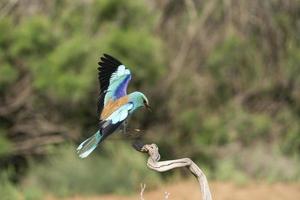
(139, 100)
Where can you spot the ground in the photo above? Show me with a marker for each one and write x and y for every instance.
(188, 190)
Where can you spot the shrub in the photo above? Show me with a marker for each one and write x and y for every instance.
(116, 169)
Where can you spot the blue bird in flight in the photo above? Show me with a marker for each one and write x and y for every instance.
(114, 105)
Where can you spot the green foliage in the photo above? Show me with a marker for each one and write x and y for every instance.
(235, 65)
(242, 93)
(59, 49)
(134, 47)
(227, 170)
(32, 193)
(62, 72)
(260, 162)
(292, 70)
(6, 36)
(126, 13)
(32, 38)
(8, 191)
(10, 75)
(5, 144)
(120, 171)
(290, 137)
(63, 59)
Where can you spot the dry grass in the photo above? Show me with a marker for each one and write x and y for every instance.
(188, 190)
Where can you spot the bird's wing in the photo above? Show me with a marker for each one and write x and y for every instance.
(115, 119)
(113, 78)
(120, 114)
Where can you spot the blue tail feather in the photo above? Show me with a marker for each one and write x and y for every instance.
(87, 146)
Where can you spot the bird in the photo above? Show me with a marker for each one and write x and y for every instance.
(114, 105)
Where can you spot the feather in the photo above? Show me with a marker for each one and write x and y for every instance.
(107, 66)
(118, 84)
(87, 146)
(120, 114)
(112, 106)
(113, 78)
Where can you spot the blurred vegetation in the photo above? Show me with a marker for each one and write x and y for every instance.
(225, 75)
(116, 171)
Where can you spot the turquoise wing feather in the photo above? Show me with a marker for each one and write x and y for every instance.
(113, 78)
(120, 114)
(118, 84)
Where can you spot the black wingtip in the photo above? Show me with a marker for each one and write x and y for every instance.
(106, 55)
(109, 58)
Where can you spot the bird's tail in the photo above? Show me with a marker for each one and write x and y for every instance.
(87, 146)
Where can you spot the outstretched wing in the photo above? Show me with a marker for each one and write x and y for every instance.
(113, 78)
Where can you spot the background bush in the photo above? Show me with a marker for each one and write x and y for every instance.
(224, 86)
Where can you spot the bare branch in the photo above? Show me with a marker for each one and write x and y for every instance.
(143, 187)
(162, 166)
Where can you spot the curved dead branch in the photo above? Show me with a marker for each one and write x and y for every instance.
(162, 166)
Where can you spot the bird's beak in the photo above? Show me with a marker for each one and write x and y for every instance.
(148, 107)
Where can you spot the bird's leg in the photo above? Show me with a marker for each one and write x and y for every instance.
(125, 123)
(131, 132)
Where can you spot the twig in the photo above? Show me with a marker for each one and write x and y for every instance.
(162, 166)
(167, 194)
(143, 187)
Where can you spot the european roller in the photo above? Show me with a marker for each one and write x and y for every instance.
(114, 104)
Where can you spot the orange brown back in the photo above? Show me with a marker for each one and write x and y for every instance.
(112, 106)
